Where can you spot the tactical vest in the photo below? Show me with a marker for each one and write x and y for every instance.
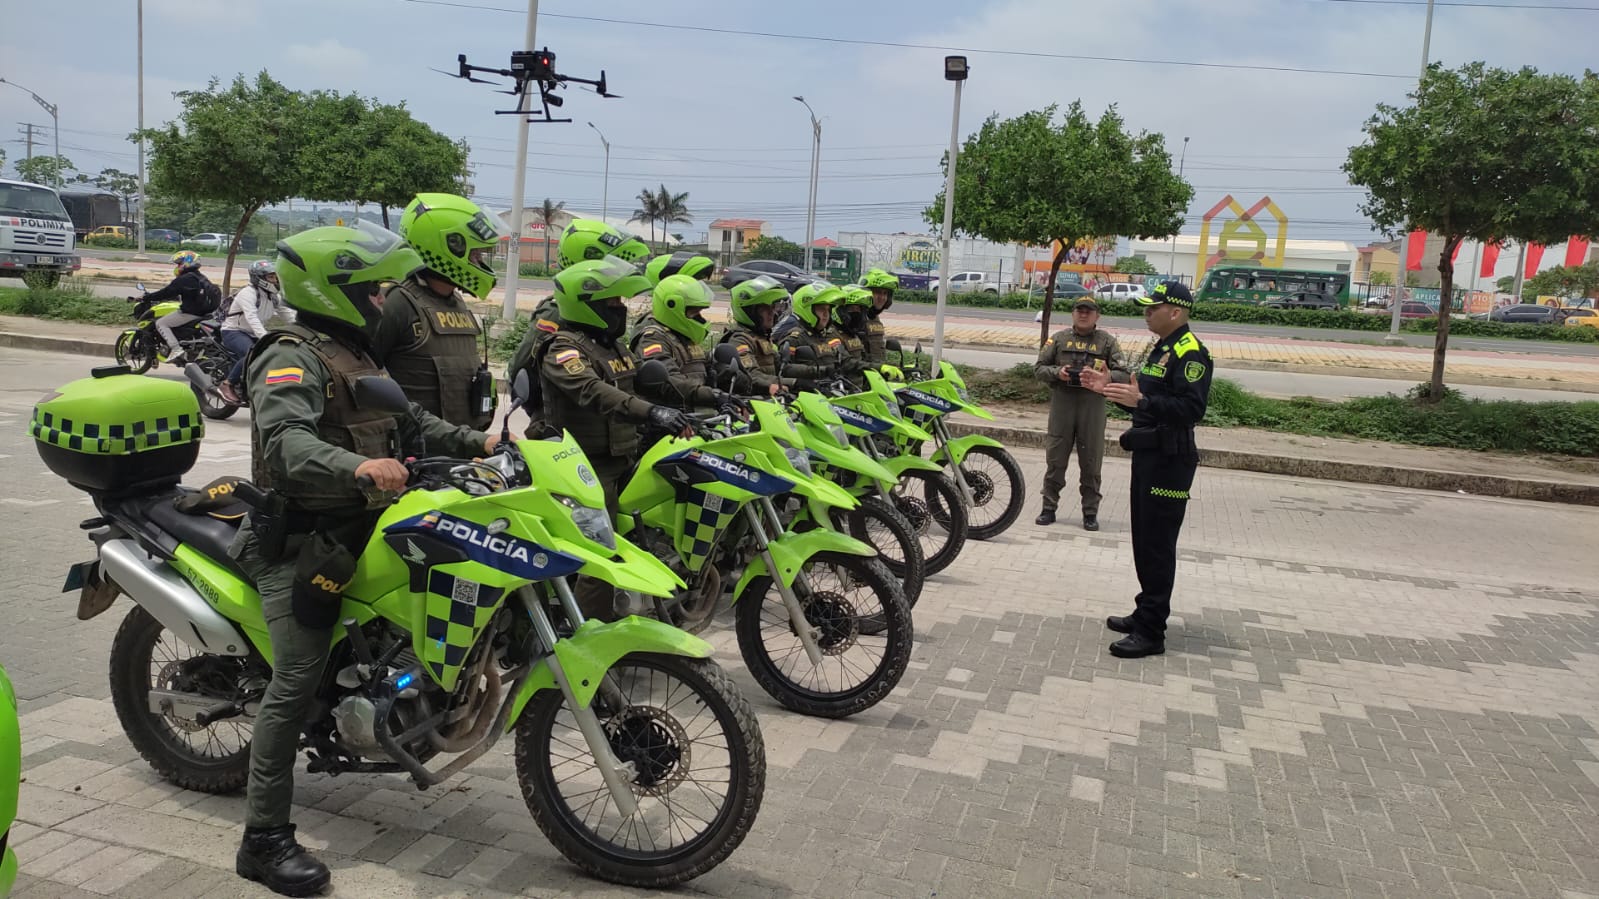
(598, 435)
(372, 434)
(1073, 351)
(690, 357)
(754, 351)
(437, 369)
(876, 340)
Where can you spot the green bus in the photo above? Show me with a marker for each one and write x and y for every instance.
(1278, 287)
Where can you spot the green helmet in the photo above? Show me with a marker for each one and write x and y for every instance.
(877, 279)
(758, 291)
(819, 293)
(591, 239)
(580, 286)
(855, 295)
(680, 263)
(677, 302)
(331, 273)
(454, 236)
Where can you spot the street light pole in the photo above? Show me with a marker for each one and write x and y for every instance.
(1171, 256)
(1404, 240)
(605, 195)
(810, 215)
(140, 256)
(513, 263)
(55, 120)
(956, 70)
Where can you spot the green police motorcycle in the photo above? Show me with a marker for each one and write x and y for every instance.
(821, 623)
(636, 756)
(989, 478)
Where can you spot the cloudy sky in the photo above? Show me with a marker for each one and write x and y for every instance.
(707, 105)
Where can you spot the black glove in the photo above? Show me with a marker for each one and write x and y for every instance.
(804, 385)
(668, 419)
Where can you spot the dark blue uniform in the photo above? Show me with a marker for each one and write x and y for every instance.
(1175, 384)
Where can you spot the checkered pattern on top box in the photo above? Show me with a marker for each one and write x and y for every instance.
(705, 516)
(457, 611)
(115, 440)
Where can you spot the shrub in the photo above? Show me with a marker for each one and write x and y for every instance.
(124, 243)
(536, 270)
(71, 300)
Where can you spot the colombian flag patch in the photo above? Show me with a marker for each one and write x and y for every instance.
(565, 356)
(284, 376)
(652, 349)
(547, 326)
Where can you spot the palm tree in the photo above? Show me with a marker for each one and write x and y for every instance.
(546, 215)
(672, 209)
(649, 210)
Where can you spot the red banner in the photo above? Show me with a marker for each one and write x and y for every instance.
(1534, 256)
(1455, 256)
(1490, 259)
(1415, 250)
(1576, 251)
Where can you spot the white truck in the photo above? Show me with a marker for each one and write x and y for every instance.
(37, 243)
(974, 282)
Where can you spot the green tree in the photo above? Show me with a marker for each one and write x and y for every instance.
(673, 208)
(44, 169)
(649, 210)
(1135, 265)
(1507, 284)
(770, 246)
(1381, 279)
(1030, 180)
(400, 157)
(1565, 281)
(546, 213)
(239, 145)
(1487, 155)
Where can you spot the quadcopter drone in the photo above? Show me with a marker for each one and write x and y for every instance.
(530, 68)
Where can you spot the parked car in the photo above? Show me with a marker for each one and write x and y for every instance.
(1124, 292)
(791, 276)
(1582, 318)
(1066, 294)
(1305, 301)
(113, 231)
(1417, 310)
(164, 235)
(210, 241)
(1525, 313)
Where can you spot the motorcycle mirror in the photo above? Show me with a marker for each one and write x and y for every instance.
(891, 344)
(918, 349)
(521, 388)
(725, 356)
(652, 375)
(140, 285)
(381, 394)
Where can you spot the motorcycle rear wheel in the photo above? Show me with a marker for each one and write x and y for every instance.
(999, 488)
(672, 703)
(930, 502)
(877, 522)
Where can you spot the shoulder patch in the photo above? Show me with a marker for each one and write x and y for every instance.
(1194, 370)
(1186, 344)
(284, 376)
(566, 356)
(573, 366)
(834, 342)
(653, 349)
(743, 349)
(546, 326)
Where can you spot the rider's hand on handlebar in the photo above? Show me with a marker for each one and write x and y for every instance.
(666, 418)
(774, 390)
(388, 475)
(491, 443)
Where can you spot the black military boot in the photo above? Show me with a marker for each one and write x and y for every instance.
(1090, 522)
(1136, 646)
(1045, 517)
(1121, 624)
(271, 856)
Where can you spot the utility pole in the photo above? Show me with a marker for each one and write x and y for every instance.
(816, 152)
(140, 256)
(956, 70)
(27, 135)
(1171, 253)
(513, 263)
(605, 192)
(1404, 240)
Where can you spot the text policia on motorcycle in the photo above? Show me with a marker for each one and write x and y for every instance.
(387, 591)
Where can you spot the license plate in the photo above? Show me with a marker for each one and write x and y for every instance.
(44, 260)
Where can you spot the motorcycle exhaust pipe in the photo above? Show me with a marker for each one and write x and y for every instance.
(198, 377)
(149, 582)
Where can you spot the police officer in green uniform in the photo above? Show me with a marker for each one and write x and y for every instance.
(315, 447)
(583, 240)
(754, 305)
(851, 323)
(428, 338)
(1167, 400)
(1076, 414)
(882, 285)
(673, 334)
(808, 324)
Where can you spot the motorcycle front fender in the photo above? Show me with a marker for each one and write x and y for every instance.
(958, 447)
(898, 465)
(792, 551)
(597, 646)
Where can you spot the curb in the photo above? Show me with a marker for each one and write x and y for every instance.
(55, 344)
(1329, 470)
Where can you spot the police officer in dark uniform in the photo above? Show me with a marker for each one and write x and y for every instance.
(754, 308)
(1076, 414)
(808, 324)
(314, 446)
(1167, 400)
(429, 340)
(673, 334)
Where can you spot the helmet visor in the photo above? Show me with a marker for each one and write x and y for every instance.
(488, 227)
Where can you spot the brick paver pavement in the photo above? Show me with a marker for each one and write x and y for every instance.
(1366, 691)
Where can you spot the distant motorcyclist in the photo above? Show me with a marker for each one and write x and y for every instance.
(252, 307)
(196, 295)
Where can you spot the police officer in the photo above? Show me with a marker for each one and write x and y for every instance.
(429, 338)
(583, 240)
(1076, 414)
(852, 324)
(807, 324)
(754, 307)
(313, 445)
(683, 262)
(674, 334)
(1166, 399)
(882, 285)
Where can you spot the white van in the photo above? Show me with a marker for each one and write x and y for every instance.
(37, 243)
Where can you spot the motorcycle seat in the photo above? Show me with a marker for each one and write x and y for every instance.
(208, 535)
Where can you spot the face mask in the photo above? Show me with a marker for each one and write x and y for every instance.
(615, 320)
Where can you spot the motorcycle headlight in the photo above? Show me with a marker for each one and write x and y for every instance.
(893, 411)
(593, 523)
(839, 434)
(798, 459)
(965, 396)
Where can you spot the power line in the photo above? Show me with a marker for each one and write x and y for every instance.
(1460, 5)
(903, 45)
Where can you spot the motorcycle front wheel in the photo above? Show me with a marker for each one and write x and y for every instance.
(136, 349)
(864, 634)
(698, 772)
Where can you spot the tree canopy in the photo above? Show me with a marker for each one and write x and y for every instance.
(1483, 154)
(1565, 281)
(1135, 265)
(44, 169)
(770, 246)
(662, 206)
(1032, 180)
